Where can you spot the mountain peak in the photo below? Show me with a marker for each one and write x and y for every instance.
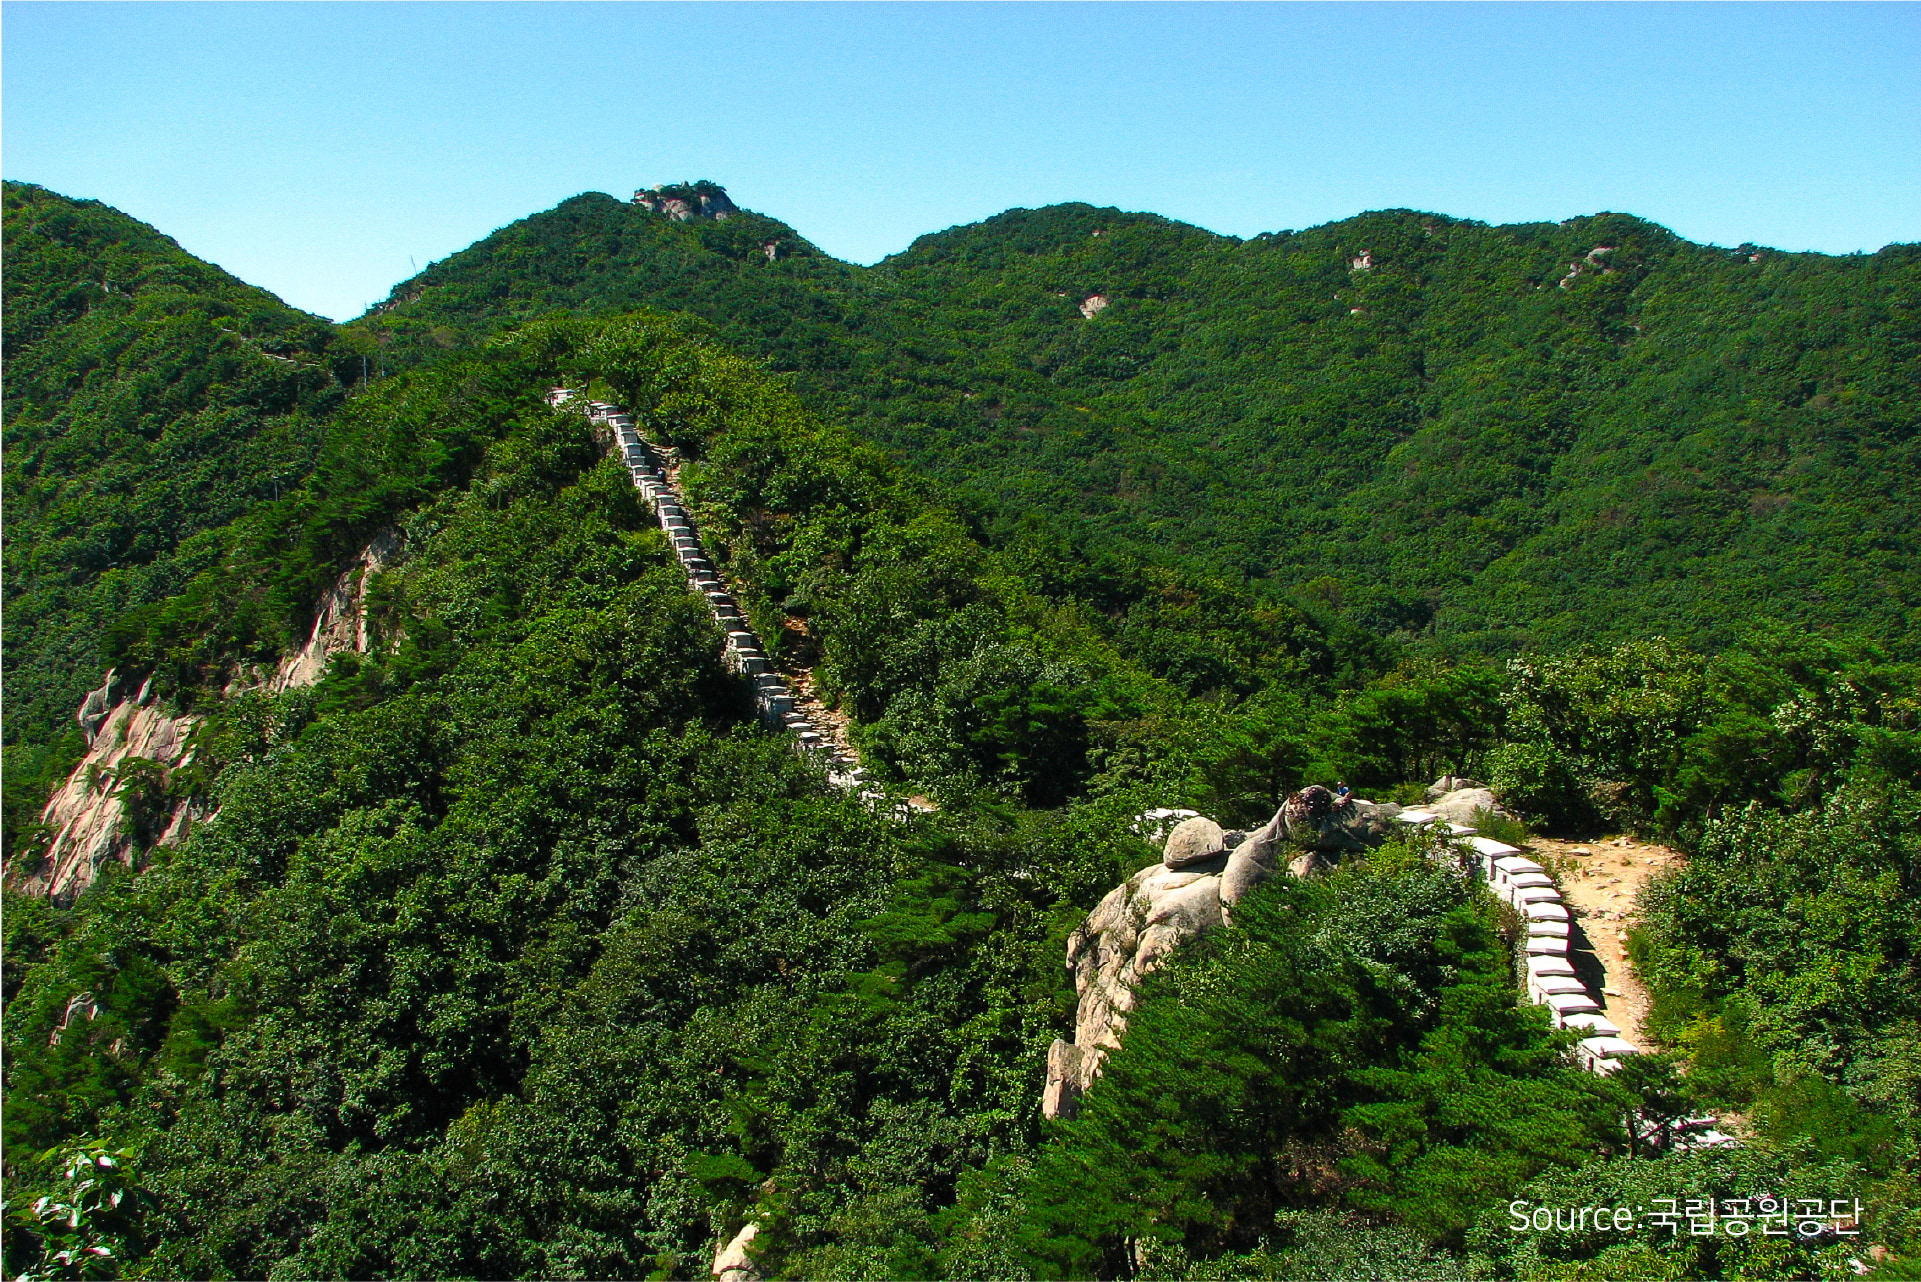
(687, 201)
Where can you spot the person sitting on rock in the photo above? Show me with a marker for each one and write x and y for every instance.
(1343, 795)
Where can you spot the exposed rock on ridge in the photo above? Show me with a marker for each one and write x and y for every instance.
(732, 1262)
(1321, 823)
(1203, 872)
(685, 202)
(340, 620)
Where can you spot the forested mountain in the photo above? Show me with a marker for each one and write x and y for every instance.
(150, 398)
(514, 945)
(1488, 438)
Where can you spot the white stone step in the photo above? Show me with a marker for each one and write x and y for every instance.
(1565, 1004)
(1598, 1025)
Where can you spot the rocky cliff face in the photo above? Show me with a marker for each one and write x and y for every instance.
(116, 796)
(340, 618)
(118, 800)
(684, 202)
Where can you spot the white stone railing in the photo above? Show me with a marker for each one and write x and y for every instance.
(1552, 979)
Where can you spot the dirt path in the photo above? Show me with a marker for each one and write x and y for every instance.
(830, 723)
(1599, 881)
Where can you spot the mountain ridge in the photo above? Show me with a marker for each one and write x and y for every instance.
(1447, 417)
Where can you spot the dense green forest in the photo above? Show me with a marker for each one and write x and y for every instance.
(1490, 438)
(518, 948)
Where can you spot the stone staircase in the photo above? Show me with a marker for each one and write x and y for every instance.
(1551, 976)
(774, 699)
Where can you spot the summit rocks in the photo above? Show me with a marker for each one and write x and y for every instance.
(688, 202)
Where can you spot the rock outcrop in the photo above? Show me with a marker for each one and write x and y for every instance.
(732, 1263)
(115, 802)
(686, 202)
(79, 1006)
(1255, 858)
(1460, 804)
(340, 619)
(97, 707)
(1203, 872)
(115, 798)
(1193, 841)
(1318, 821)
(1450, 783)
(1136, 925)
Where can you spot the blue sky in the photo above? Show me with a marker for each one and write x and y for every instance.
(325, 150)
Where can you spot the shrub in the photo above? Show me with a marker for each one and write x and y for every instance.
(1536, 780)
